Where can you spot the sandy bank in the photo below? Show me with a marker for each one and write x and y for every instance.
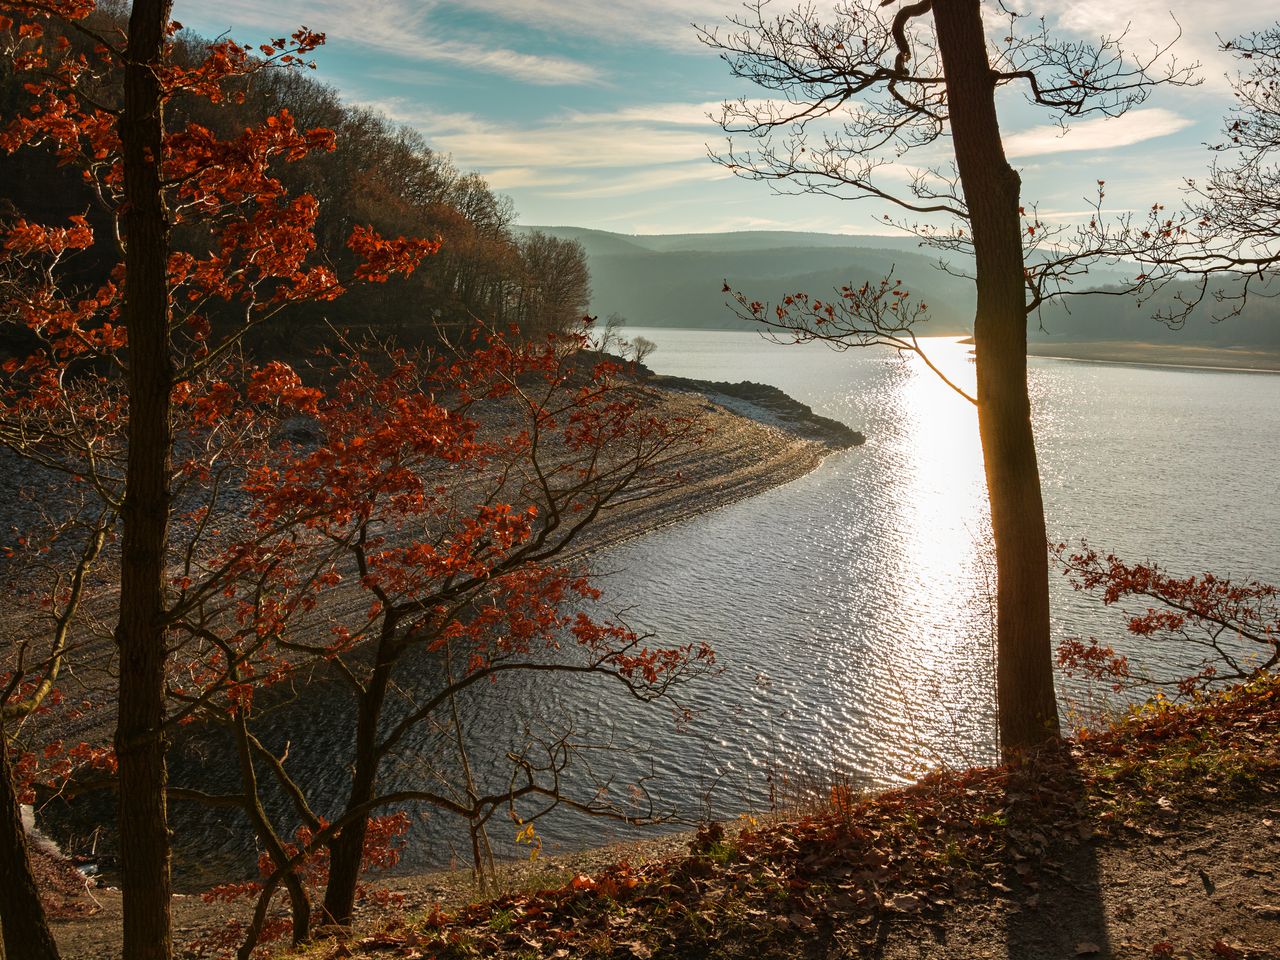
(1160, 354)
(760, 438)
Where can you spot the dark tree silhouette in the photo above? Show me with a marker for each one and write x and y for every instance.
(1226, 241)
(140, 634)
(855, 95)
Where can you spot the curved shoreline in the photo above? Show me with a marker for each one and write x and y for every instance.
(748, 451)
(754, 445)
(752, 449)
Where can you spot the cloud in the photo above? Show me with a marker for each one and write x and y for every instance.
(662, 178)
(405, 28)
(531, 68)
(679, 114)
(565, 142)
(574, 155)
(1102, 133)
(1146, 23)
(510, 178)
(567, 146)
(664, 23)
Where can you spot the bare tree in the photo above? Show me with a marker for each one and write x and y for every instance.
(1226, 242)
(609, 338)
(856, 96)
(642, 348)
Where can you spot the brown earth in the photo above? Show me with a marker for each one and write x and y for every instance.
(1205, 885)
(1211, 877)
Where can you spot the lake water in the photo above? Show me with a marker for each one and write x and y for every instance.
(851, 609)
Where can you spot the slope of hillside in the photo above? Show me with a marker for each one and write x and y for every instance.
(1105, 317)
(678, 280)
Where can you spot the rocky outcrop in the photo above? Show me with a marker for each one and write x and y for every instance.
(767, 404)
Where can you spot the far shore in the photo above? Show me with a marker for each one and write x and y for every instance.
(1159, 354)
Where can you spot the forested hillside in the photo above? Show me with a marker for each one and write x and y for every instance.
(677, 280)
(379, 174)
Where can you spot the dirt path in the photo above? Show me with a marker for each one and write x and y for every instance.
(1208, 885)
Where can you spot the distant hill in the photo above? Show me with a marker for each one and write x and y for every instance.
(1100, 317)
(676, 280)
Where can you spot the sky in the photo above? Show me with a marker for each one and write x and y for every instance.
(593, 113)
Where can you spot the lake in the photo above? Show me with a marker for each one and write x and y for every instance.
(851, 609)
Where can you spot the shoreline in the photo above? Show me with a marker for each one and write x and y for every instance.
(1167, 355)
(751, 450)
(1104, 837)
(748, 452)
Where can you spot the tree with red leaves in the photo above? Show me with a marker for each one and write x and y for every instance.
(246, 506)
(413, 542)
(1219, 630)
(150, 324)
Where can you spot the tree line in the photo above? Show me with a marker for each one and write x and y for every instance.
(379, 173)
(198, 501)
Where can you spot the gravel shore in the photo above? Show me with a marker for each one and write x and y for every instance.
(758, 440)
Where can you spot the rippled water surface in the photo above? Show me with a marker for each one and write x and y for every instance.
(861, 592)
(850, 609)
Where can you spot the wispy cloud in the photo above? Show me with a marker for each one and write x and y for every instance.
(677, 114)
(1103, 133)
(531, 68)
(661, 178)
(567, 146)
(406, 28)
(1195, 25)
(583, 154)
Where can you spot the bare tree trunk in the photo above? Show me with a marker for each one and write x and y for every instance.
(1027, 706)
(346, 850)
(140, 633)
(299, 903)
(22, 918)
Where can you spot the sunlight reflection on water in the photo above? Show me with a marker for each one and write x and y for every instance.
(864, 590)
(859, 591)
(851, 609)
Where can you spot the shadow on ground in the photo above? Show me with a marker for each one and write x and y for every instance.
(1058, 910)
